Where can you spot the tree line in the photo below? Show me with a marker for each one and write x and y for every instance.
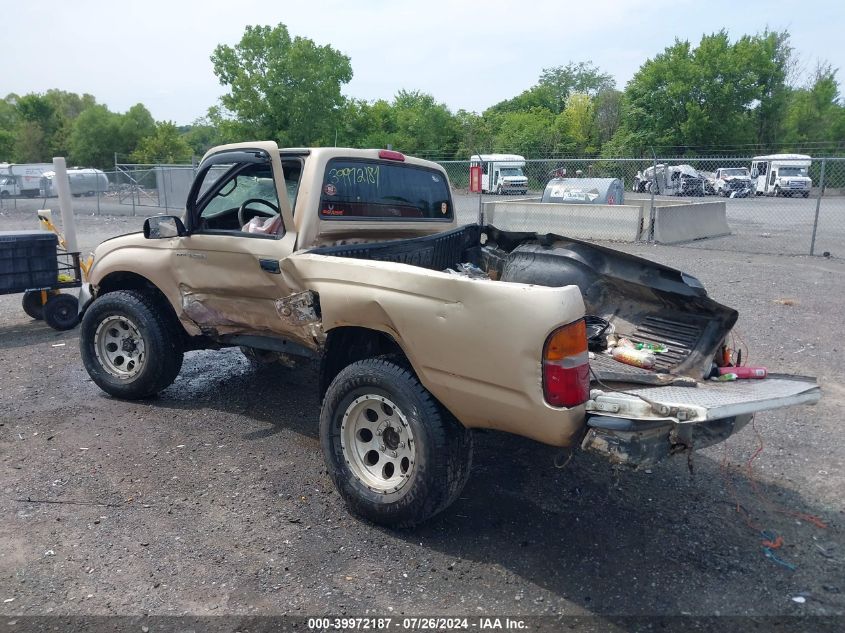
(744, 96)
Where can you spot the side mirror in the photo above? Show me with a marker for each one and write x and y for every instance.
(163, 226)
(754, 173)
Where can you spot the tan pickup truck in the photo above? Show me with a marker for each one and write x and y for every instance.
(424, 329)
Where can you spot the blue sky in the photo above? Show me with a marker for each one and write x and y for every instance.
(467, 54)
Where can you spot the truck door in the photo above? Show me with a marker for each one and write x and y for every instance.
(239, 225)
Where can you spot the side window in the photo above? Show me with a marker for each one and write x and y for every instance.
(293, 175)
(356, 189)
(761, 168)
(240, 198)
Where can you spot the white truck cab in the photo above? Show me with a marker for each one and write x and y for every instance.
(22, 180)
(781, 175)
(501, 173)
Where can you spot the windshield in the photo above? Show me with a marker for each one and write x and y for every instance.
(739, 171)
(793, 171)
(511, 171)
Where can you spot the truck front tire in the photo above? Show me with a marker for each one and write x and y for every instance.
(130, 346)
(396, 456)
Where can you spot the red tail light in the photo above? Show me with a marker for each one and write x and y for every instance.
(389, 154)
(566, 366)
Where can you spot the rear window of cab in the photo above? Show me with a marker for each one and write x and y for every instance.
(377, 190)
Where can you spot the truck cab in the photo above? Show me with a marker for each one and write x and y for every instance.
(9, 187)
(781, 175)
(501, 173)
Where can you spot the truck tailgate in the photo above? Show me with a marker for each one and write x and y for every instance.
(703, 401)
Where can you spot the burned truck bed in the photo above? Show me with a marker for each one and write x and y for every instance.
(642, 300)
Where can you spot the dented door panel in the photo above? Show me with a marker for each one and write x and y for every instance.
(223, 286)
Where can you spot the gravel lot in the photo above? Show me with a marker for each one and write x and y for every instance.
(212, 499)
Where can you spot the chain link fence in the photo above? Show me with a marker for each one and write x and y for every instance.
(775, 204)
(771, 204)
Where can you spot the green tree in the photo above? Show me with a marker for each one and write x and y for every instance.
(539, 96)
(422, 124)
(137, 123)
(815, 113)
(770, 57)
(202, 135)
(607, 106)
(281, 87)
(34, 130)
(698, 97)
(531, 133)
(577, 121)
(575, 77)
(554, 87)
(67, 106)
(165, 145)
(8, 125)
(95, 138)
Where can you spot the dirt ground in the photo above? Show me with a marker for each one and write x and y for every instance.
(213, 498)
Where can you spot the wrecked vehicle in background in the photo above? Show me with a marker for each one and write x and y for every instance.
(732, 182)
(671, 180)
(423, 329)
(584, 191)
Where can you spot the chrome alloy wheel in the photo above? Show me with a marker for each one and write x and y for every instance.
(377, 443)
(119, 347)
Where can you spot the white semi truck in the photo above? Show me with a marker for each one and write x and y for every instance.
(22, 180)
(501, 173)
(781, 175)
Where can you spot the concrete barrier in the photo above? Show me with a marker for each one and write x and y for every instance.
(687, 222)
(624, 223)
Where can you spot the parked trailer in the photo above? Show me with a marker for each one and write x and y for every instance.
(83, 182)
(22, 179)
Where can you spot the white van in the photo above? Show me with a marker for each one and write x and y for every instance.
(501, 173)
(781, 175)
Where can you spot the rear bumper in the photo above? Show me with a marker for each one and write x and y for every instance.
(640, 444)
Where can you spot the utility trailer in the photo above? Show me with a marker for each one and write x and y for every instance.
(32, 263)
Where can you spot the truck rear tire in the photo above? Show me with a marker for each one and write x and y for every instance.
(396, 456)
(130, 347)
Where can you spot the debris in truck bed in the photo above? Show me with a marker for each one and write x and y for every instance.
(468, 270)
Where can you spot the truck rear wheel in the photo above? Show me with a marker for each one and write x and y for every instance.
(129, 346)
(396, 456)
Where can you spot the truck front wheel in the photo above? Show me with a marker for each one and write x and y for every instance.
(396, 456)
(129, 346)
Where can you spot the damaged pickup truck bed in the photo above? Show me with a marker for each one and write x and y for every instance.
(423, 329)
